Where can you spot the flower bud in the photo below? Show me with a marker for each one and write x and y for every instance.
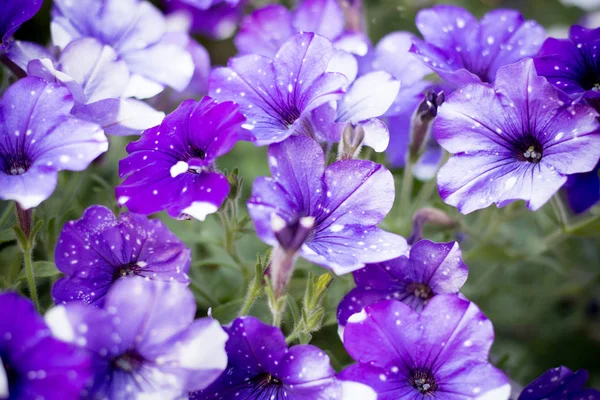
(421, 122)
(352, 141)
(428, 215)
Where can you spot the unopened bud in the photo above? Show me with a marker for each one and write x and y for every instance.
(352, 141)
(431, 216)
(421, 122)
(235, 184)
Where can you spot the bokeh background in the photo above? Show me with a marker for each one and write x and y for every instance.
(539, 286)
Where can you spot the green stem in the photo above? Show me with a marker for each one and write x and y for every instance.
(295, 333)
(30, 277)
(249, 301)
(560, 210)
(406, 191)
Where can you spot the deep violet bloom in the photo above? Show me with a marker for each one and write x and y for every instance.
(13, 14)
(137, 31)
(573, 65)
(439, 353)
(583, 190)
(39, 137)
(261, 367)
(219, 21)
(171, 167)
(97, 78)
(99, 249)
(265, 30)
(463, 50)
(515, 141)
(560, 384)
(429, 269)
(274, 94)
(34, 365)
(145, 342)
(345, 201)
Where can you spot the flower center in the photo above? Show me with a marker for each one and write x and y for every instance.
(266, 379)
(422, 379)
(128, 361)
(529, 150)
(128, 270)
(17, 166)
(420, 290)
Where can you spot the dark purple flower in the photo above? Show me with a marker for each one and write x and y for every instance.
(261, 367)
(344, 202)
(145, 341)
(97, 78)
(265, 30)
(39, 137)
(583, 190)
(429, 270)
(274, 94)
(137, 31)
(573, 65)
(13, 14)
(560, 384)
(439, 353)
(34, 365)
(515, 141)
(463, 50)
(171, 167)
(218, 21)
(99, 249)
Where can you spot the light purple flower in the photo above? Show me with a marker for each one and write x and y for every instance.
(344, 202)
(144, 340)
(261, 367)
(13, 14)
(439, 353)
(137, 31)
(218, 22)
(34, 365)
(98, 250)
(172, 166)
(429, 270)
(265, 30)
(39, 137)
(559, 384)
(515, 141)
(98, 79)
(573, 65)
(274, 94)
(463, 50)
(583, 190)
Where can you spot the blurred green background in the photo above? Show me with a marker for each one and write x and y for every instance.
(539, 285)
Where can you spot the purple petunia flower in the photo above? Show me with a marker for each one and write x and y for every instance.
(559, 384)
(462, 50)
(99, 249)
(439, 353)
(39, 137)
(573, 65)
(515, 141)
(583, 190)
(338, 207)
(34, 365)
(429, 270)
(275, 94)
(261, 367)
(13, 14)
(218, 21)
(97, 78)
(145, 341)
(265, 30)
(137, 31)
(171, 167)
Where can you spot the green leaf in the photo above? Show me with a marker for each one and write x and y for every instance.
(41, 269)
(7, 235)
(225, 313)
